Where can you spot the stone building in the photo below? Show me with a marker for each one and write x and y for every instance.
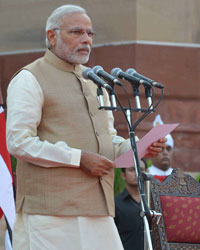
(160, 39)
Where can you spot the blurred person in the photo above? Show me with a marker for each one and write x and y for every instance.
(162, 163)
(127, 211)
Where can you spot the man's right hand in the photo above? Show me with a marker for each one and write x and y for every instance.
(95, 165)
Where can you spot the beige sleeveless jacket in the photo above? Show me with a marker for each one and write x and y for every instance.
(70, 113)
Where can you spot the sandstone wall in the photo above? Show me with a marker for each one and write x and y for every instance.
(158, 38)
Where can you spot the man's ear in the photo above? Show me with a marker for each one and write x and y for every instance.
(52, 37)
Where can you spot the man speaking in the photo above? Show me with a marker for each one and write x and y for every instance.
(65, 146)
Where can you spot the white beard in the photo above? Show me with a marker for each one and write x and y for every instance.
(62, 50)
(75, 59)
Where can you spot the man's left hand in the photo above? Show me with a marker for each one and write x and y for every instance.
(155, 148)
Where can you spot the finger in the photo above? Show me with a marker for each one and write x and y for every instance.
(160, 141)
(157, 144)
(110, 164)
(151, 154)
(110, 167)
(105, 172)
(153, 149)
(164, 140)
(102, 173)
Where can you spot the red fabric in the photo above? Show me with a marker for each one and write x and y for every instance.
(182, 218)
(159, 177)
(3, 148)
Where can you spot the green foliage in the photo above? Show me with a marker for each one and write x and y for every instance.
(149, 162)
(198, 177)
(119, 183)
(13, 163)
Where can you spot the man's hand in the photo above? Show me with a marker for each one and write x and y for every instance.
(95, 165)
(155, 148)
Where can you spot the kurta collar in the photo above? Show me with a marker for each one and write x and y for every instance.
(157, 171)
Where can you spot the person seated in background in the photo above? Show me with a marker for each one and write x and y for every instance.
(127, 211)
(161, 164)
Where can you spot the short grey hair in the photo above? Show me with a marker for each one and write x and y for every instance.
(53, 20)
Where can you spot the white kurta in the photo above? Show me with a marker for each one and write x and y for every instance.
(36, 232)
(156, 171)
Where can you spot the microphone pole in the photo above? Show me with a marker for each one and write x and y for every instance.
(148, 96)
(146, 213)
(113, 100)
(136, 94)
(100, 96)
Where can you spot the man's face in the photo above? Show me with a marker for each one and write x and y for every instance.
(73, 39)
(130, 176)
(164, 158)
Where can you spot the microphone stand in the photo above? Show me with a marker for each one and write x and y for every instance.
(146, 213)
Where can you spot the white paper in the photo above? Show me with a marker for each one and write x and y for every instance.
(1, 109)
(156, 133)
(8, 245)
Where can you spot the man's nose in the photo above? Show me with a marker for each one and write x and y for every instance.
(165, 151)
(85, 38)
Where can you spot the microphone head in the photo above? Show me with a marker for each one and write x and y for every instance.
(115, 71)
(86, 72)
(131, 71)
(97, 68)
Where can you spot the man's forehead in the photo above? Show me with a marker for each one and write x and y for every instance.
(75, 19)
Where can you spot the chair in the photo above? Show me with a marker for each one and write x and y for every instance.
(177, 198)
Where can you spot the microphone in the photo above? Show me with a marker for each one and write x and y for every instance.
(98, 70)
(89, 74)
(123, 75)
(147, 88)
(135, 82)
(133, 72)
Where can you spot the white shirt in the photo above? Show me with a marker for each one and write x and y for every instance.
(24, 102)
(156, 171)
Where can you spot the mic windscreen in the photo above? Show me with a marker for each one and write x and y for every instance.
(86, 72)
(97, 68)
(115, 71)
(131, 71)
